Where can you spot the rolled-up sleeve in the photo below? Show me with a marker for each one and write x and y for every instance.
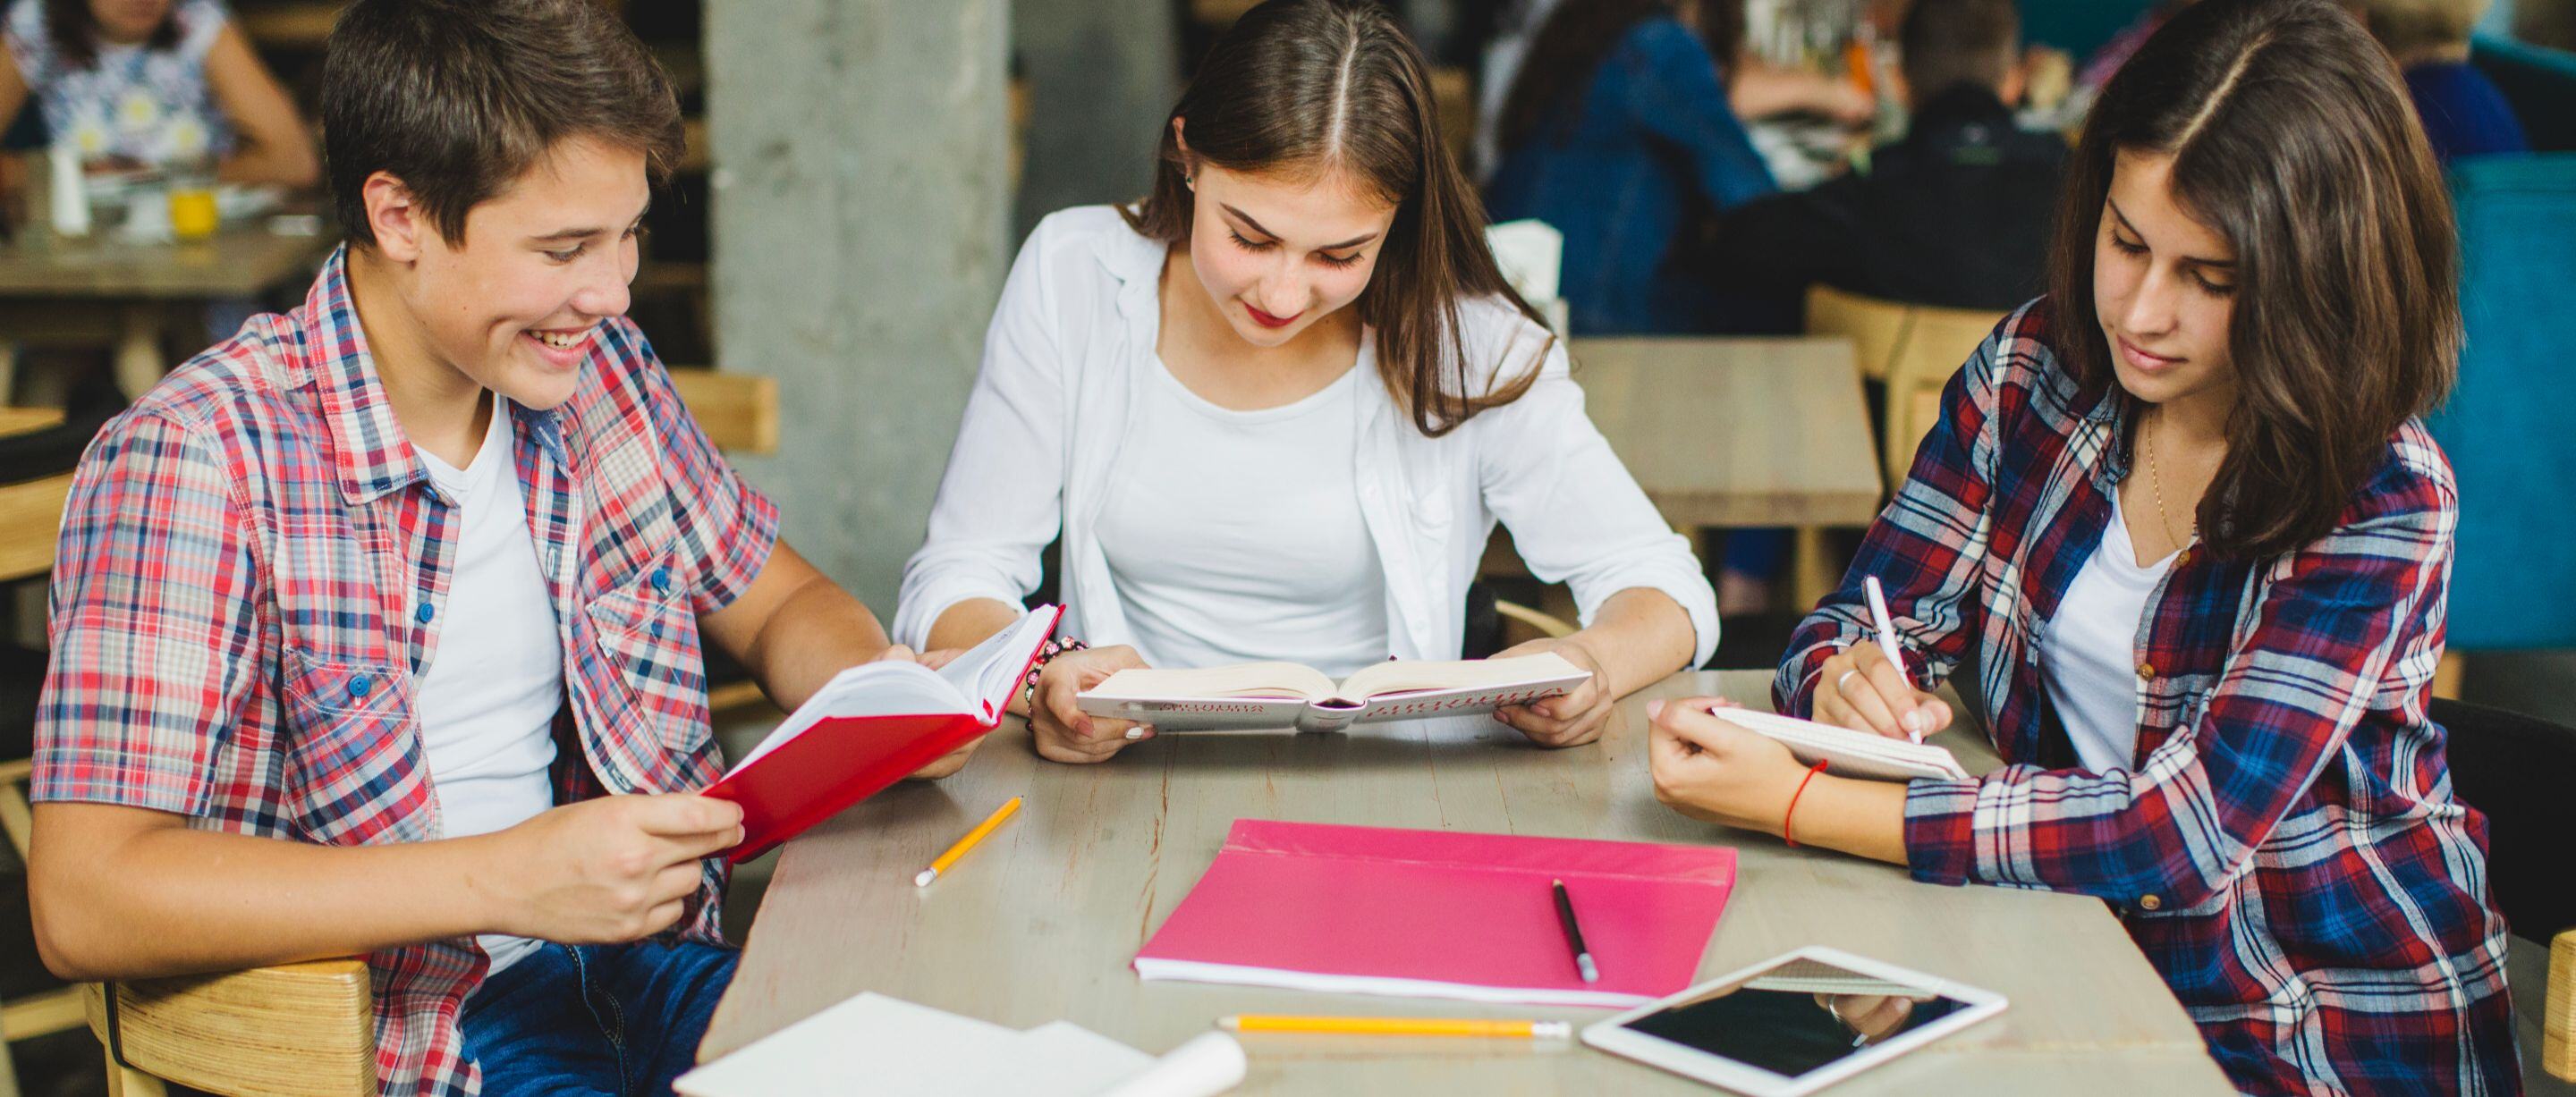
(1575, 514)
(157, 647)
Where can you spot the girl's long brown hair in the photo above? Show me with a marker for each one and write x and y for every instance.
(2293, 139)
(1306, 86)
(75, 31)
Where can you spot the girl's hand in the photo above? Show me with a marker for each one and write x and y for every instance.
(1061, 729)
(1716, 772)
(1569, 720)
(1862, 691)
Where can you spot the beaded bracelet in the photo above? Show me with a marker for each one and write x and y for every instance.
(1029, 684)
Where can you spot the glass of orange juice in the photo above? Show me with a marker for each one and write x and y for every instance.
(192, 208)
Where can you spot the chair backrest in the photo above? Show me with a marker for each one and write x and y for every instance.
(2514, 768)
(739, 411)
(2538, 82)
(1913, 349)
(295, 1030)
(2507, 436)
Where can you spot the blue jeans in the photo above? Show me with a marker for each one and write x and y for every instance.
(610, 1020)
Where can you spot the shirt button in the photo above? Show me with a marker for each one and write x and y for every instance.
(2150, 902)
(361, 685)
(2182, 558)
(424, 613)
(662, 580)
(2147, 671)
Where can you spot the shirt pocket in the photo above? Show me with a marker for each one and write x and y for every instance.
(353, 772)
(648, 634)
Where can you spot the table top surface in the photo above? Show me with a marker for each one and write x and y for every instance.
(1737, 431)
(241, 261)
(1040, 921)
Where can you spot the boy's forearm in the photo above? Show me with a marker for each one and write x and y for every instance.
(819, 630)
(111, 902)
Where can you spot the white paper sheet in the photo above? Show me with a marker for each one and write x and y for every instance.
(887, 1046)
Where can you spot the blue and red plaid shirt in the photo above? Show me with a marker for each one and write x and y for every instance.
(252, 573)
(2284, 846)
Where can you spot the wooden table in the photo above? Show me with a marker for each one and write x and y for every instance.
(1040, 922)
(101, 288)
(1741, 433)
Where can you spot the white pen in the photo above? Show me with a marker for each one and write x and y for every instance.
(1887, 636)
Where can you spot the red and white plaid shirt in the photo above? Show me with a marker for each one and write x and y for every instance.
(253, 568)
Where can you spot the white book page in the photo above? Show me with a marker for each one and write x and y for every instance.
(1848, 753)
(1403, 676)
(977, 683)
(1236, 680)
(990, 671)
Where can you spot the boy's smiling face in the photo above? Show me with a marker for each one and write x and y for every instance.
(515, 304)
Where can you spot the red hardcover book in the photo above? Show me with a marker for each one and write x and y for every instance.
(871, 726)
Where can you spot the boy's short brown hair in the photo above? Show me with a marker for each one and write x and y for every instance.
(458, 97)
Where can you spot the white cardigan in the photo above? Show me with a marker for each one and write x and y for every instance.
(1071, 346)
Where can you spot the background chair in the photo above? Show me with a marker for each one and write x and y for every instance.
(1911, 350)
(2514, 768)
(2507, 438)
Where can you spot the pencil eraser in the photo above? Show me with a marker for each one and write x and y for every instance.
(923, 879)
(1591, 971)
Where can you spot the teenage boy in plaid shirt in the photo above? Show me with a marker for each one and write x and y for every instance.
(378, 627)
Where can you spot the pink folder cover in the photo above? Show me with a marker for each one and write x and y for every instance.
(1443, 914)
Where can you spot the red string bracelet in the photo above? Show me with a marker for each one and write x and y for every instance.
(1792, 813)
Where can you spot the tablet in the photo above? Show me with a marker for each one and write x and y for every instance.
(1794, 1024)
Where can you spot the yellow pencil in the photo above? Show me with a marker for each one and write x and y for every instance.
(989, 825)
(1397, 1026)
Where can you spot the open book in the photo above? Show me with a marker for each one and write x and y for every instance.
(1847, 753)
(1284, 695)
(871, 726)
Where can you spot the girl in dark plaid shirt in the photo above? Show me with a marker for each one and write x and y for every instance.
(2251, 302)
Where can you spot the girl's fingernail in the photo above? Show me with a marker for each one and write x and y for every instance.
(1655, 708)
(1135, 733)
(1914, 724)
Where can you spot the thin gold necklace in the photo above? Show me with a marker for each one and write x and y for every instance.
(2156, 478)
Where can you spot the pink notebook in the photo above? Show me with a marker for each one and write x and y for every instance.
(1441, 914)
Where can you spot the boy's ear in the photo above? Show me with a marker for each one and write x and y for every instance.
(400, 226)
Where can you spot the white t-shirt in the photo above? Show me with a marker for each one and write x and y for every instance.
(2089, 658)
(488, 697)
(1235, 536)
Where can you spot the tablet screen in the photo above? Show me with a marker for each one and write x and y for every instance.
(1797, 1016)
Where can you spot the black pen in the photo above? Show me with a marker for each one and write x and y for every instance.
(1574, 935)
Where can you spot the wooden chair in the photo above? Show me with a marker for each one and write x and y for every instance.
(1911, 349)
(294, 1030)
(30, 515)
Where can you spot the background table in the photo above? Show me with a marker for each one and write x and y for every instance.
(101, 289)
(1737, 433)
(1040, 921)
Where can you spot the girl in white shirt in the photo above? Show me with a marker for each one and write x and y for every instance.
(1275, 410)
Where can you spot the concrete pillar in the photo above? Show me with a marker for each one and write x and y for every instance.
(1102, 75)
(859, 233)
